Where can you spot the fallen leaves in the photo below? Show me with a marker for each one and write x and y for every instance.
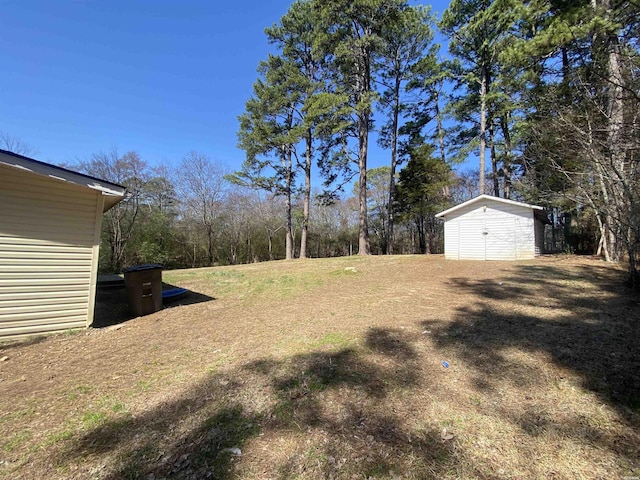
(446, 435)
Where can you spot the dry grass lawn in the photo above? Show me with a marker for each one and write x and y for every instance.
(333, 368)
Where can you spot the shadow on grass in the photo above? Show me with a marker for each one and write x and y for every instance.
(593, 336)
(390, 343)
(112, 306)
(596, 337)
(327, 414)
(328, 402)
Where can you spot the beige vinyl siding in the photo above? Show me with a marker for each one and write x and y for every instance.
(498, 232)
(47, 249)
(93, 278)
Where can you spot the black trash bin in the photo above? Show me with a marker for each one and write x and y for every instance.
(144, 288)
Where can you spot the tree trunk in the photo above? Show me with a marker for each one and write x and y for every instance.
(428, 237)
(117, 243)
(307, 196)
(363, 223)
(249, 249)
(362, 89)
(436, 105)
(422, 242)
(633, 272)
(194, 255)
(494, 162)
(602, 244)
(602, 225)
(289, 223)
(112, 249)
(610, 243)
(443, 157)
(394, 163)
(616, 143)
(553, 230)
(210, 255)
(483, 125)
(288, 165)
(506, 163)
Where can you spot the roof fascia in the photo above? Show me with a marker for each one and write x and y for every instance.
(486, 197)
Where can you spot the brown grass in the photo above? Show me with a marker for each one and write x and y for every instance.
(333, 369)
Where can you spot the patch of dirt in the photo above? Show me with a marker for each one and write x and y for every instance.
(335, 368)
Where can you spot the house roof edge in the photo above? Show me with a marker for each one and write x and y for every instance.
(113, 191)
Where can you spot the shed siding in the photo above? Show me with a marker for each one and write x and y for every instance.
(451, 234)
(47, 249)
(499, 232)
(470, 239)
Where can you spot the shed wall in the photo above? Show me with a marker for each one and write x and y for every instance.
(47, 250)
(451, 239)
(499, 232)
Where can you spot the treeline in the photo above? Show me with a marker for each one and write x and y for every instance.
(545, 95)
(193, 215)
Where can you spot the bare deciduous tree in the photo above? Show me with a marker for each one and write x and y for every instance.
(202, 190)
(15, 145)
(132, 172)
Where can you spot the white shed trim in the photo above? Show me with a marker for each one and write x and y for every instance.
(486, 197)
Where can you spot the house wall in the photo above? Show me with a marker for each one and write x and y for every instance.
(48, 253)
(501, 232)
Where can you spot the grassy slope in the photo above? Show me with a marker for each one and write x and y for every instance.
(333, 369)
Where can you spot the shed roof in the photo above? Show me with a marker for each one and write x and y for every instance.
(112, 192)
(484, 198)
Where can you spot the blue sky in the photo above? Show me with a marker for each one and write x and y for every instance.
(158, 77)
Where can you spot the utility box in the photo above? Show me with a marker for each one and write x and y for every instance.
(144, 288)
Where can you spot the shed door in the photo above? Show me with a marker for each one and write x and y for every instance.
(499, 237)
(472, 240)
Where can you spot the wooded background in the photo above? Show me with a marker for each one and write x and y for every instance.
(544, 96)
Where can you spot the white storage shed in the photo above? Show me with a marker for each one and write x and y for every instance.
(50, 223)
(493, 228)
